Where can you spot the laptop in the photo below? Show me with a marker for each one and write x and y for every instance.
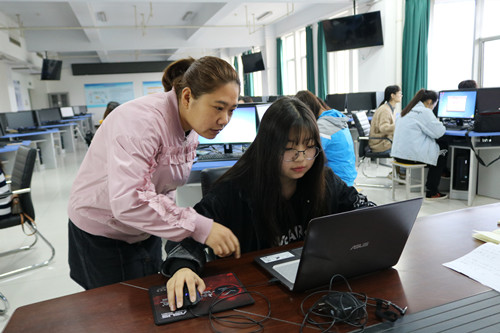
(350, 243)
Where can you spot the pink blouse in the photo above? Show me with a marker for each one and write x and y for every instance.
(125, 188)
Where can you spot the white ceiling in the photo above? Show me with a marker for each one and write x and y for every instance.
(154, 31)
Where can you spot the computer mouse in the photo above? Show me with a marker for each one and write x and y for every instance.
(186, 301)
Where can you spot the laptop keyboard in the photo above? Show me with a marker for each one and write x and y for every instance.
(288, 269)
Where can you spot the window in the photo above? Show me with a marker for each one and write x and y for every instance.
(451, 43)
(339, 72)
(294, 62)
(489, 19)
(490, 65)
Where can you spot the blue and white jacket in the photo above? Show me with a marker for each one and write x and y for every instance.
(415, 136)
(338, 145)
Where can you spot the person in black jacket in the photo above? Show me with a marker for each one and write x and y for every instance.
(268, 197)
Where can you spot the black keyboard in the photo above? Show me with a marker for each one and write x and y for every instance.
(219, 157)
(30, 130)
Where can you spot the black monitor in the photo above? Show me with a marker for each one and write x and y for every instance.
(18, 120)
(48, 116)
(51, 69)
(252, 62)
(488, 99)
(79, 110)
(361, 101)
(457, 104)
(337, 101)
(67, 112)
(352, 32)
(241, 129)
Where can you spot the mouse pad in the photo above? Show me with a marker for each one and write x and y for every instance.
(217, 286)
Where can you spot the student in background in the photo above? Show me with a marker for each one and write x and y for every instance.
(110, 107)
(245, 99)
(383, 121)
(416, 140)
(336, 138)
(123, 198)
(268, 197)
(467, 84)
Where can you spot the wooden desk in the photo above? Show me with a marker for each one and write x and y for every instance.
(418, 281)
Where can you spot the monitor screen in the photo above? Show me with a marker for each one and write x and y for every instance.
(457, 104)
(361, 101)
(252, 62)
(20, 119)
(67, 112)
(352, 32)
(488, 99)
(48, 115)
(51, 69)
(261, 109)
(337, 101)
(241, 129)
(81, 109)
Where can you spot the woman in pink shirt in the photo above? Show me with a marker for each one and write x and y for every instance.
(123, 199)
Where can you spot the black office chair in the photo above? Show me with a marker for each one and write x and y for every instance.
(209, 176)
(365, 154)
(20, 185)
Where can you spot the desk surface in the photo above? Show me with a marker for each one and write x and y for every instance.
(419, 281)
(18, 135)
(471, 133)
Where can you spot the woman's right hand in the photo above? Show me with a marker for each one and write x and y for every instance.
(175, 287)
(222, 240)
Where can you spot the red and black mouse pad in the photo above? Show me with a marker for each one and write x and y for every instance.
(223, 286)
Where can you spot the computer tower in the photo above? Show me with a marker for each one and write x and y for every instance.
(461, 170)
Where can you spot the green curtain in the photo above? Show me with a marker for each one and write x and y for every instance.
(322, 64)
(235, 62)
(311, 86)
(248, 82)
(415, 35)
(279, 66)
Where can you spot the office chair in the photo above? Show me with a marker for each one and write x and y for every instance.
(209, 176)
(364, 152)
(20, 184)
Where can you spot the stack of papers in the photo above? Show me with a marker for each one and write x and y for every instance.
(488, 236)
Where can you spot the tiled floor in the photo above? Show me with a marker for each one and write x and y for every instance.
(50, 190)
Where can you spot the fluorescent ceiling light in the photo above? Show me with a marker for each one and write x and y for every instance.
(264, 15)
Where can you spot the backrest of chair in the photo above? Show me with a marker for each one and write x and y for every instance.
(22, 174)
(362, 123)
(209, 176)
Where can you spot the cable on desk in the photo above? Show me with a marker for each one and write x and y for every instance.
(346, 307)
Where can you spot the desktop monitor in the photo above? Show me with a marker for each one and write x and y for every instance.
(241, 129)
(361, 101)
(79, 110)
(67, 112)
(49, 115)
(337, 101)
(261, 109)
(457, 104)
(18, 120)
(488, 99)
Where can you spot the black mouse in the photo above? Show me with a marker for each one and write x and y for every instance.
(186, 301)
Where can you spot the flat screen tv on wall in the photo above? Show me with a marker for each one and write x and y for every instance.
(252, 62)
(352, 32)
(51, 69)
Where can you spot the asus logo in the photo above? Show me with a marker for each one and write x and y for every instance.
(360, 246)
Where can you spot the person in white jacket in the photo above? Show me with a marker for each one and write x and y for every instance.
(415, 139)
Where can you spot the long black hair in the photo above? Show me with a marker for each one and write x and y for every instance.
(389, 90)
(421, 96)
(260, 167)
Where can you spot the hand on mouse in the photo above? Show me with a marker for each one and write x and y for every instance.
(175, 287)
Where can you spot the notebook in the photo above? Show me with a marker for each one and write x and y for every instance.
(217, 286)
(350, 243)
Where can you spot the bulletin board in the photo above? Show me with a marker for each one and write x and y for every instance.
(100, 94)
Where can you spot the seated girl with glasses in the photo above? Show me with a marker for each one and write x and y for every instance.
(268, 197)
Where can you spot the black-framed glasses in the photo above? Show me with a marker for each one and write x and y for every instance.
(291, 155)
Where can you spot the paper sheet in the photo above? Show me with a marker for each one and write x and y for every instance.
(482, 264)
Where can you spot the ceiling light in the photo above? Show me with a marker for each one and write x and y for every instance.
(188, 16)
(101, 16)
(264, 15)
